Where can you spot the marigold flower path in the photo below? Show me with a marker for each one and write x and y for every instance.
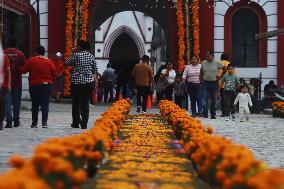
(147, 157)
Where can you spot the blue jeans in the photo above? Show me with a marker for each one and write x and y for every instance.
(13, 105)
(210, 91)
(40, 96)
(195, 94)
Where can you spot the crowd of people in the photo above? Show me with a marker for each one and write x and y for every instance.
(203, 82)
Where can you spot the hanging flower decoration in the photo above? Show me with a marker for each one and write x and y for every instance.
(85, 16)
(187, 30)
(181, 31)
(195, 25)
(69, 46)
(76, 22)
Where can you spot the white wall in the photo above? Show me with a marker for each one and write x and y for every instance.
(127, 20)
(270, 8)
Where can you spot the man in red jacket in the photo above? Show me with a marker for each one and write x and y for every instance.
(4, 88)
(42, 74)
(16, 60)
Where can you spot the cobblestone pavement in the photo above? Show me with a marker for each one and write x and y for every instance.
(22, 140)
(263, 134)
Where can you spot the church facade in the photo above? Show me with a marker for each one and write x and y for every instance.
(224, 27)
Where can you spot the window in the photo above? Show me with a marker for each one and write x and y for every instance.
(245, 48)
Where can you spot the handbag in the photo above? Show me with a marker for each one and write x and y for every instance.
(161, 85)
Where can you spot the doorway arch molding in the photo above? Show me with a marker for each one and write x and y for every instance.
(116, 33)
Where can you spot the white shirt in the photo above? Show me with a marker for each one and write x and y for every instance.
(171, 77)
(191, 73)
(244, 100)
(1, 64)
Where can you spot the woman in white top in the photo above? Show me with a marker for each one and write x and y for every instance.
(169, 74)
(191, 78)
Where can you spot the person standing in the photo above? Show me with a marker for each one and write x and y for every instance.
(108, 79)
(59, 66)
(225, 61)
(42, 74)
(231, 83)
(209, 77)
(179, 90)
(169, 74)
(245, 102)
(82, 83)
(5, 85)
(143, 76)
(191, 78)
(16, 60)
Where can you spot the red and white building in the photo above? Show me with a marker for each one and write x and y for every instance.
(224, 27)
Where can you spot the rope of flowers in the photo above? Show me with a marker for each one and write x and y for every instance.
(195, 24)
(85, 17)
(187, 30)
(69, 46)
(67, 162)
(77, 12)
(181, 31)
(219, 161)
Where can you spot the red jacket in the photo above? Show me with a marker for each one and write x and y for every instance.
(16, 59)
(40, 70)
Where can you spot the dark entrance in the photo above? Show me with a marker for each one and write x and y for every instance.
(244, 45)
(17, 26)
(124, 55)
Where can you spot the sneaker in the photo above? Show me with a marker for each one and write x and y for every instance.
(44, 125)
(227, 118)
(213, 117)
(17, 124)
(138, 109)
(233, 117)
(9, 124)
(144, 112)
(34, 125)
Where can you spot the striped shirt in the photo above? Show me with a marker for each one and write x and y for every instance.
(191, 73)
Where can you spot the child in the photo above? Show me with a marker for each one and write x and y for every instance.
(179, 90)
(231, 83)
(244, 102)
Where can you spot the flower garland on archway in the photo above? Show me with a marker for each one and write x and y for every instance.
(76, 24)
(181, 31)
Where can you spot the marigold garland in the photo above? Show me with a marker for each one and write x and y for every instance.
(219, 161)
(85, 17)
(195, 25)
(69, 46)
(61, 162)
(187, 31)
(181, 31)
(70, 40)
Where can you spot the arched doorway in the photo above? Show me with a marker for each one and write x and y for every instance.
(163, 11)
(123, 56)
(124, 52)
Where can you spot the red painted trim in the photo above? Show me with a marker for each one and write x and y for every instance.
(27, 9)
(56, 27)
(280, 70)
(206, 16)
(258, 10)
